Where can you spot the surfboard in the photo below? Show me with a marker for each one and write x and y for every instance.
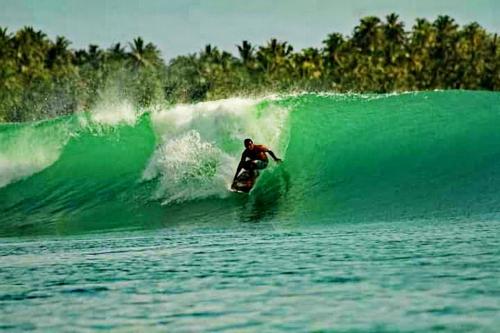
(244, 182)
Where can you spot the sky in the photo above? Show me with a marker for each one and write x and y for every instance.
(186, 26)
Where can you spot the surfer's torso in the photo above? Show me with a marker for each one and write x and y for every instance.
(257, 153)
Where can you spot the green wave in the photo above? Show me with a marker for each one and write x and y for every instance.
(347, 158)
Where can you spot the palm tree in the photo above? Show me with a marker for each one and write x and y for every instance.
(30, 47)
(395, 54)
(142, 55)
(308, 64)
(491, 78)
(422, 42)
(117, 52)
(10, 83)
(333, 57)
(246, 52)
(333, 43)
(136, 53)
(185, 82)
(395, 38)
(444, 52)
(274, 57)
(366, 35)
(95, 56)
(210, 53)
(5, 42)
(58, 54)
(471, 55)
(365, 64)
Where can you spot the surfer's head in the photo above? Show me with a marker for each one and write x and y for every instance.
(248, 144)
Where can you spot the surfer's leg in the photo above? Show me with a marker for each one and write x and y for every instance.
(260, 165)
(249, 165)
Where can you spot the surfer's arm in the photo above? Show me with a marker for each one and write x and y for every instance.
(270, 152)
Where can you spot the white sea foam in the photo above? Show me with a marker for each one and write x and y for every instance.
(114, 113)
(189, 168)
(200, 145)
(30, 150)
(12, 170)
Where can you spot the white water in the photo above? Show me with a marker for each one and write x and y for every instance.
(31, 150)
(200, 145)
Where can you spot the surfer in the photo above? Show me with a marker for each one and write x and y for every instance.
(254, 158)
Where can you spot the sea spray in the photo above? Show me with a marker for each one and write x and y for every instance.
(200, 145)
(28, 149)
(189, 169)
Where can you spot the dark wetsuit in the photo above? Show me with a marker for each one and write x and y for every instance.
(255, 159)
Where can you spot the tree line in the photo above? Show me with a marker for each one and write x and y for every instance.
(41, 78)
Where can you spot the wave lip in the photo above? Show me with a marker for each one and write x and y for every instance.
(28, 149)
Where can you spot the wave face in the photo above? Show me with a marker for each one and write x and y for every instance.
(427, 155)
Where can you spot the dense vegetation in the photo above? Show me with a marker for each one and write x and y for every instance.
(40, 77)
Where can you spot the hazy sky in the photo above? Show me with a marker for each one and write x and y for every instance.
(185, 26)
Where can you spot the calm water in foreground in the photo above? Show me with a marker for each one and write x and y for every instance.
(365, 277)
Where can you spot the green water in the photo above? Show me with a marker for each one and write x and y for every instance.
(383, 217)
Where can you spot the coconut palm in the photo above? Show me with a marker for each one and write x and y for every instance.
(7, 59)
(422, 42)
(491, 78)
(30, 47)
(58, 54)
(471, 56)
(5, 43)
(144, 55)
(117, 53)
(366, 37)
(333, 44)
(274, 58)
(246, 52)
(308, 64)
(395, 54)
(395, 36)
(444, 53)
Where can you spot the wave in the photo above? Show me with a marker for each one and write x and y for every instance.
(425, 155)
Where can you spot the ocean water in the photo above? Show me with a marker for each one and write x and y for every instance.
(383, 217)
